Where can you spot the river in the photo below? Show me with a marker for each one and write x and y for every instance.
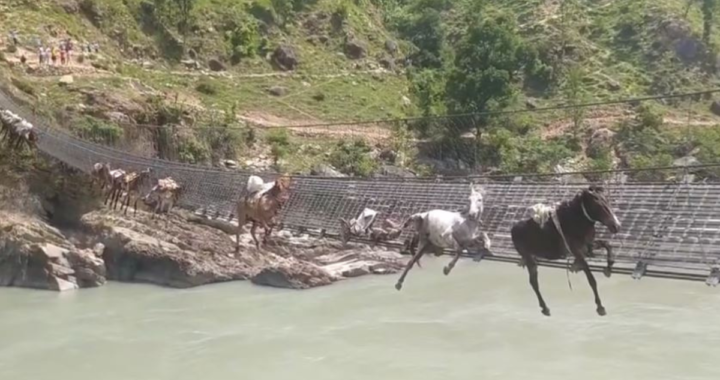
(481, 322)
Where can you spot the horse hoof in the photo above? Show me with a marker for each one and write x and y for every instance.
(446, 270)
(546, 312)
(601, 311)
(398, 286)
(607, 272)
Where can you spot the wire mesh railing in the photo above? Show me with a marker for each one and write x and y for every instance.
(671, 226)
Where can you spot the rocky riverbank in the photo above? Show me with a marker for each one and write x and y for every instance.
(178, 251)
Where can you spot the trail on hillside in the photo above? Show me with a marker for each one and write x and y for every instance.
(598, 118)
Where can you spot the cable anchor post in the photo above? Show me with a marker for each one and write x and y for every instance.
(640, 270)
(713, 278)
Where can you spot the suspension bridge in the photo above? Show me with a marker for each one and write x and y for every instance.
(670, 229)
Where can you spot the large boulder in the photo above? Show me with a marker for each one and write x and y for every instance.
(355, 49)
(292, 274)
(715, 107)
(215, 65)
(36, 255)
(600, 141)
(278, 90)
(66, 80)
(391, 47)
(394, 171)
(325, 170)
(285, 57)
(70, 6)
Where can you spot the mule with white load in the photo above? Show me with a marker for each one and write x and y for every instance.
(260, 204)
(363, 225)
(441, 229)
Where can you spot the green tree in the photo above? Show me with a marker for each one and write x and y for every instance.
(708, 10)
(184, 9)
(487, 61)
(425, 31)
(575, 94)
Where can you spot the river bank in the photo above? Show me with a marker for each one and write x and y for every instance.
(175, 251)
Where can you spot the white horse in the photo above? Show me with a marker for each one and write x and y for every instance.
(441, 229)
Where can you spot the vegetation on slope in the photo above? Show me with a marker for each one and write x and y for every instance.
(215, 73)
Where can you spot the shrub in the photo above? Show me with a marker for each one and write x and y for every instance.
(206, 87)
(192, 151)
(353, 158)
(244, 40)
(279, 141)
(96, 130)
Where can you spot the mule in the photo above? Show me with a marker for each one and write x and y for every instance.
(260, 204)
(553, 233)
(439, 229)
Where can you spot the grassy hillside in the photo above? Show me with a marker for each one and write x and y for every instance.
(214, 77)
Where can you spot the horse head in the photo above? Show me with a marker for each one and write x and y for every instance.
(32, 137)
(283, 182)
(477, 205)
(596, 208)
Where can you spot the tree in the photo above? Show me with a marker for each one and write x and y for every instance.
(184, 9)
(487, 61)
(426, 32)
(575, 94)
(708, 10)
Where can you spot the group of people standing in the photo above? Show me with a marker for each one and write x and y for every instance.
(63, 52)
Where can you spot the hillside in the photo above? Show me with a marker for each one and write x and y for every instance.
(211, 83)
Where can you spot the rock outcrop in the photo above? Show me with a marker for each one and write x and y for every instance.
(35, 255)
(285, 57)
(178, 250)
(292, 274)
(175, 254)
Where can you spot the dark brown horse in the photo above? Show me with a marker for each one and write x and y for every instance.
(577, 217)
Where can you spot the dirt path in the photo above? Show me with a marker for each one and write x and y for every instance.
(609, 117)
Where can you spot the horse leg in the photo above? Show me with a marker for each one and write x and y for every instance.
(609, 253)
(532, 268)
(268, 231)
(126, 204)
(593, 285)
(242, 219)
(116, 197)
(415, 259)
(135, 205)
(410, 245)
(107, 197)
(252, 233)
(454, 261)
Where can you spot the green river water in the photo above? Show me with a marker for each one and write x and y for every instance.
(481, 322)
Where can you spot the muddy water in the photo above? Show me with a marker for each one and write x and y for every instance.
(481, 322)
